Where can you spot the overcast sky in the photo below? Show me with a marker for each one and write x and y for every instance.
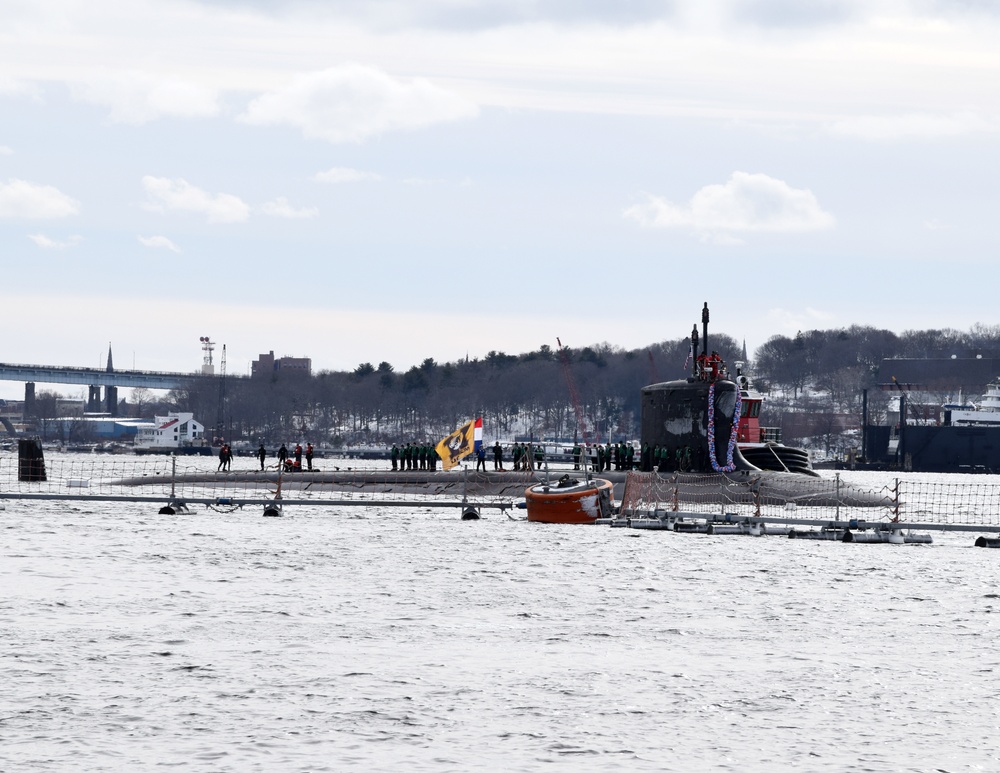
(371, 180)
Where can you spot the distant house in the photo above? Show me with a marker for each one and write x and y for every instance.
(175, 430)
(268, 365)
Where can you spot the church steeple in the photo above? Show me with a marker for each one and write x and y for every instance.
(111, 368)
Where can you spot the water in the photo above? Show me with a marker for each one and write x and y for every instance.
(359, 639)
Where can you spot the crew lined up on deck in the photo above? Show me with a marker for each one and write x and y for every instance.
(620, 456)
(414, 456)
(526, 457)
(285, 463)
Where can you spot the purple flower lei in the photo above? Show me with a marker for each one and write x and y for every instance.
(730, 462)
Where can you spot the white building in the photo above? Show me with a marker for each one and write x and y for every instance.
(170, 432)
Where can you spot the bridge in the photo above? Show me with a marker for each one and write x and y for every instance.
(95, 378)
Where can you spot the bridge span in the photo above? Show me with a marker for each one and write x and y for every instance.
(95, 378)
(57, 374)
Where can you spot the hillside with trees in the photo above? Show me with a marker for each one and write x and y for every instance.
(812, 381)
(818, 373)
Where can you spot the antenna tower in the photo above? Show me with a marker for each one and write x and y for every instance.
(207, 347)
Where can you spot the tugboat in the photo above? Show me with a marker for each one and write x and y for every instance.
(710, 423)
(761, 446)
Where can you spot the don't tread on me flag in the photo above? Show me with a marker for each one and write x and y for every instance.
(457, 445)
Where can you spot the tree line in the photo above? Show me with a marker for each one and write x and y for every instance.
(590, 393)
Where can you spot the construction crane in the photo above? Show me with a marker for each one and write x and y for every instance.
(220, 418)
(654, 375)
(574, 396)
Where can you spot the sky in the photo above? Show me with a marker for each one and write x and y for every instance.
(382, 180)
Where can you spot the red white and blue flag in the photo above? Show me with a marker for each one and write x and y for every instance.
(477, 435)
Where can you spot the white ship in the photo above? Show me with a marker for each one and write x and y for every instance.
(987, 412)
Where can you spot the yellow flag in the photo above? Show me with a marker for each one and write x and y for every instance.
(456, 446)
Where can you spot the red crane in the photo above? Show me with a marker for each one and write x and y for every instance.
(574, 396)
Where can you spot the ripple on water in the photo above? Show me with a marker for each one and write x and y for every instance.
(395, 641)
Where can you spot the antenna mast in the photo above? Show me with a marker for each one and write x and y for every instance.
(207, 347)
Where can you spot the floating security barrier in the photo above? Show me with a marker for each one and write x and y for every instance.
(647, 523)
(470, 514)
(833, 535)
(172, 508)
(692, 527)
(273, 510)
(988, 542)
(892, 536)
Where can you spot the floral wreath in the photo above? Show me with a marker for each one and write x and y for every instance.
(730, 462)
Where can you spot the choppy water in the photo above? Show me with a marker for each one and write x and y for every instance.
(410, 640)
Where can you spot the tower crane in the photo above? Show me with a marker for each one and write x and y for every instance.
(221, 415)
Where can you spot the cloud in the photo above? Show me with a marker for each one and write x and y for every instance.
(180, 196)
(804, 319)
(747, 203)
(418, 182)
(21, 199)
(340, 174)
(5, 151)
(464, 15)
(158, 242)
(10, 87)
(484, 14)
(353, 102)
(51, 244)
(914, 126)
(795, 13)
(281, 208)
(136, 98)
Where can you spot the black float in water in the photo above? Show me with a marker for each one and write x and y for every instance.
(272, 511)
(987, 542)
(30, 461)
(470, 514)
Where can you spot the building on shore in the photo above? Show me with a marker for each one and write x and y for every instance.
(269, 365)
